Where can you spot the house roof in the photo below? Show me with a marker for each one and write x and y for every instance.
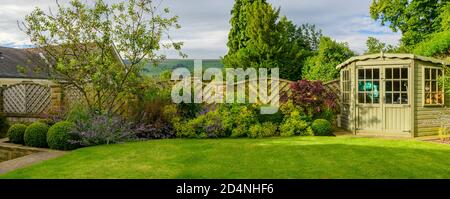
(392, 56)
(22, 63)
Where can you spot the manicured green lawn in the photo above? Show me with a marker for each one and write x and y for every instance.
(299, 157)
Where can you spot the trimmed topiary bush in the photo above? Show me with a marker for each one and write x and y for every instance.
(322, 127)
(36, 135)
(59, 136)
(16, 133)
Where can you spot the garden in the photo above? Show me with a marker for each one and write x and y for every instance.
(124, 123)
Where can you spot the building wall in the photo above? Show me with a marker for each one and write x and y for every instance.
(11, 81)
(426, 117)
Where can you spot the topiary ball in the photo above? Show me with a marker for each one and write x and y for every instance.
(36, 135)
(59, 137)
(322, 127)
(16, 132)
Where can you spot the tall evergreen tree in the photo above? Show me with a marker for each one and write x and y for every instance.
(259, 37)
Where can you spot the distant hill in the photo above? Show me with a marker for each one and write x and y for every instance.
(171, 64)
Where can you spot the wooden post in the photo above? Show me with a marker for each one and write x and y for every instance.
(56, 98)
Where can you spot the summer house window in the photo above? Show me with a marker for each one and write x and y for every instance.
(346, 83)
(396, 85)
(369, 86)
(433, 90)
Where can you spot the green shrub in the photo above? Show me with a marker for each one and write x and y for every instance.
(267, 129)
(237, 119)
(294, 125)
(204, 126)
(16, 133)
(322, 127)
(4, 126)
(78, 112)
(59, 136)
(36, 135)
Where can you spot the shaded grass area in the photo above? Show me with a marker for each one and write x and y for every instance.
(299, 157)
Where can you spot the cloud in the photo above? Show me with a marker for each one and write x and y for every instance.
(205, 23)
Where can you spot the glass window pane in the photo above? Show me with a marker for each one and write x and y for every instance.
(360, 74)
(427, 86)
(369, 98)
(388, 98)
(396, 85)
(361, 86)
(439, 73)
(361, 98)
(369, 74)
(440, 98)
(427, 73)
(404, 85)
(404, 73)
(376, 73)
(396, 99)
(434, 98)
(369, 85)
(388, 85)
(404, 98)
(433, 74)
(434, 86)
(388, 73)
(396, 73)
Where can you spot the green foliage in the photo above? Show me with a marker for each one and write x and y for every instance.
(294, 126)
(267, 129)
(99, 33)
(204, 126)
(438, 45)
(260, 38)
(323, 65)
(36, 135)
(376, 46)
(322, 127)
(59, 136)
(416, 19)
(16, 133)
(78, 112)
(4, 126)
(238, 119)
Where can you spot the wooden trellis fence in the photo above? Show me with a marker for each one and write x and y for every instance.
(29, 100)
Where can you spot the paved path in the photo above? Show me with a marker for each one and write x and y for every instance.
(37, 155)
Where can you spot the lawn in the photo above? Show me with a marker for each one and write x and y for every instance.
(298, 157)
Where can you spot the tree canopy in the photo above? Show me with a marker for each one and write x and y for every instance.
(84, 41)
(323, 65)
(416, 19)
(376, 46)
(259, 37)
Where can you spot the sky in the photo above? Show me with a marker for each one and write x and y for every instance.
(205, 23)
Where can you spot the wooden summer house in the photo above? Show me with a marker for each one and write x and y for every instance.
(393, 95)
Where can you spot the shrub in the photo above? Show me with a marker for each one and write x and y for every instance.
(59, 136)
(153, 131)
(4, 126)
(237, 119)
(16, 133)
(311, 98)
(267, 129)
(77, 113)
(294, 125)
(102, 129)
(322, 127)
(204, 126)
(36, 135)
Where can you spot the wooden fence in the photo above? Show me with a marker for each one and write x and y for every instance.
(27, 101)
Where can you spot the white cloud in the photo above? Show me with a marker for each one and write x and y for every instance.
(205, 23)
